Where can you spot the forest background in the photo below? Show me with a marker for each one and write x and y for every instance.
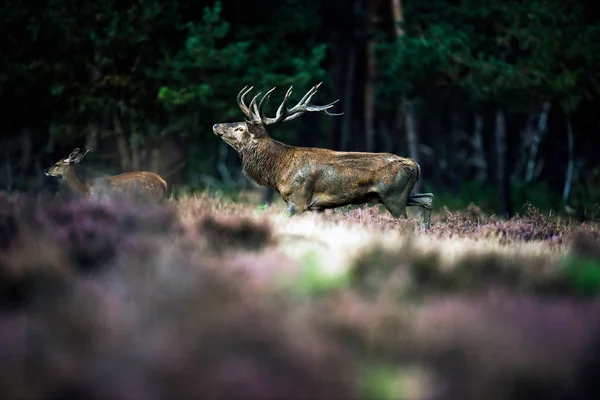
(497, 100)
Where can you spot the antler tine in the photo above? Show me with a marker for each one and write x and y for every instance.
(304, 105)
(254, 113)
(282, 110)
(284, 114)
(240, 100)
(307, 97)
(262, 102)
(322, 108)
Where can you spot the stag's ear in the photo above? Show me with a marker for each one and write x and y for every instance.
(78, 157)
(250, 126)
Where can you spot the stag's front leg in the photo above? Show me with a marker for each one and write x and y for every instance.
(290, 209)
(297, 200)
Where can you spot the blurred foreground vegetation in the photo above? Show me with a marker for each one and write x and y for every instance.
(207, 298)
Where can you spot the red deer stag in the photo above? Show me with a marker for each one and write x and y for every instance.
(143, 185)
(315, 178)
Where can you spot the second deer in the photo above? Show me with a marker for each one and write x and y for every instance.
(144, 185)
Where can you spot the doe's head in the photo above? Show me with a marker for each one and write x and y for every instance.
(60, 167)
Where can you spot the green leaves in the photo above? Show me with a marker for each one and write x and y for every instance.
(583, 273)
(508, 52)
(214, 61)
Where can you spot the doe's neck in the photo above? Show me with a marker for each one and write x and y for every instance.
(74, 182)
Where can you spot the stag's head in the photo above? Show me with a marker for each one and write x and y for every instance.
(242, 135)
(60, 168)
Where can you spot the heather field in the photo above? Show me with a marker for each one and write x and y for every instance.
(203, 297)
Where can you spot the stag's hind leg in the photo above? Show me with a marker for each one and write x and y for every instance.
(424, 200)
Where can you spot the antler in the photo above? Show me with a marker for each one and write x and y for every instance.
(255, 112)
(240, 100)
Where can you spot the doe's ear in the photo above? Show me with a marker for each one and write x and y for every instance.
(78, 157)
(73, 154)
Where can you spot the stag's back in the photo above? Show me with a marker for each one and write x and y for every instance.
(142, 184)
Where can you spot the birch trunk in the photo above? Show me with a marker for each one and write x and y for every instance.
(502, 177)
(412, 137)
(479, 158)
(571, 149)
(222, 165)
(410, 120)
(536, 140)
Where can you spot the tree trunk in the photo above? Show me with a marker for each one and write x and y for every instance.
(348, 94)
(26, 148)
(336, 71)
(527, 135)
(156, 164)
(479, 158)
(349, 87)
(122, 142)
(222, 165)
(7, 166)
(502, 176)
(91, 137)
(91, 140)
(410, 121)
(398, 17)
(535, 142)
(456, 159)
(570, 147)
(412, 135)
(371, 78)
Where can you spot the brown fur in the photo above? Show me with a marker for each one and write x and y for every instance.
(146, 184)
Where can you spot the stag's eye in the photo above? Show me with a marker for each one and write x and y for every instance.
(239, 128)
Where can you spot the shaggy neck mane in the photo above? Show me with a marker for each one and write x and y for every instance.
(261, 161)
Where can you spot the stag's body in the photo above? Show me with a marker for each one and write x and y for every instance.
(316, 178)
(145, 185)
